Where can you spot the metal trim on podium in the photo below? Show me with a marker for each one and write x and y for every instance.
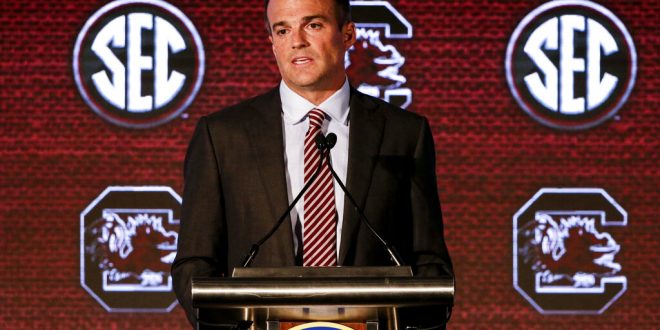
(378, 297)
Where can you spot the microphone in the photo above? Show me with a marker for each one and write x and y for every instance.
(330, 141)
(325, 142)
(321, 143)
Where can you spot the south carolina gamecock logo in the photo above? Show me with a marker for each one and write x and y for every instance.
(565, 251)
(374, 64)
(128, 245)
(133, 249)
(568, 251)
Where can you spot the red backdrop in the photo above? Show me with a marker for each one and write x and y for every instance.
(56, 155)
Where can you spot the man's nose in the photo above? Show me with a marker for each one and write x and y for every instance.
(299, 39)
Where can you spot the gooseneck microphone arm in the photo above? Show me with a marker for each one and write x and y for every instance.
(321, 144)
(330, 141)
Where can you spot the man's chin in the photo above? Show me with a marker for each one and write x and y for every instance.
(302, 83)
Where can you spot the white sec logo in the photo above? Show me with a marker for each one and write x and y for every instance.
(571, 64)
(138, 63)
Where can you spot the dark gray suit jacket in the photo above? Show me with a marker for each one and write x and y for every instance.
(235, 190)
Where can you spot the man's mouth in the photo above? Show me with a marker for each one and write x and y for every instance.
(301, 60)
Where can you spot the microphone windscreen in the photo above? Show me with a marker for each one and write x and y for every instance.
(320, 141)
(330, 140)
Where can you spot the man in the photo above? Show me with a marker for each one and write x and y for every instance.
(246, 163)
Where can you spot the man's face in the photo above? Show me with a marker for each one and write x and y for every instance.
(308, 44)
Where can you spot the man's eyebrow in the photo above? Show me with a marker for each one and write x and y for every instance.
(304, 20)
(282, 23)
(313, 17)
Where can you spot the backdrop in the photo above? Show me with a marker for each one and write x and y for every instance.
(517, 194)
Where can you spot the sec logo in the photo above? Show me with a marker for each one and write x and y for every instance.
(138, 63)
(571, 64)
(565, 251)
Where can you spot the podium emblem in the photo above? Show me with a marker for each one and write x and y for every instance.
(321, 326)
(565, 254)
(128, 244)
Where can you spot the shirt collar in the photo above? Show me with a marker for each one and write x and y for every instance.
(296, 107)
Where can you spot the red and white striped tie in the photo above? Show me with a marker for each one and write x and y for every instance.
(320, 229)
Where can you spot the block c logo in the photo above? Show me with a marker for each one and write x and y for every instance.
(571, 64)
(565, 251)
(128, 241)
(374, 63)
(138, 63)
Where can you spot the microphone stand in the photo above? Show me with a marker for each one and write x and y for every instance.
(331, 139)
(320, 144)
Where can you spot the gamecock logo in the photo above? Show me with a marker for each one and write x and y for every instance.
(133, 249)
(129, 239)
(373, 64)
(571, 253)
(565, 253)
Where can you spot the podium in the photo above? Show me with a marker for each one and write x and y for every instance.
(361, 298)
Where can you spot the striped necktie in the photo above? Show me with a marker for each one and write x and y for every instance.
(320, 226)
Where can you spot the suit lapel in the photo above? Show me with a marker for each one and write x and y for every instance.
(266, 138)
(365, 135)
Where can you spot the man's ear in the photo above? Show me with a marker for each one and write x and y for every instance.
(270, 38)
(349, 33)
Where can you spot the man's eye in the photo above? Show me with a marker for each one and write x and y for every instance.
(281, 32)
(315, 25)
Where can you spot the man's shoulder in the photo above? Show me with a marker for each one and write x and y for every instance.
(393, 113)
(247, 108)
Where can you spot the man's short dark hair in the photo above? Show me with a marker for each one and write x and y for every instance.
(342, 12)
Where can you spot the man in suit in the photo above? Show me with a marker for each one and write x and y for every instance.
(245, 164)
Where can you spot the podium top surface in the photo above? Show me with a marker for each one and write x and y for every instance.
(313, 286)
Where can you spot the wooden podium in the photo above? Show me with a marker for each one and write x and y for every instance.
(362, 298)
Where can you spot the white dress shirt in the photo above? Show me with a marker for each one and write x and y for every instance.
(295, 125)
